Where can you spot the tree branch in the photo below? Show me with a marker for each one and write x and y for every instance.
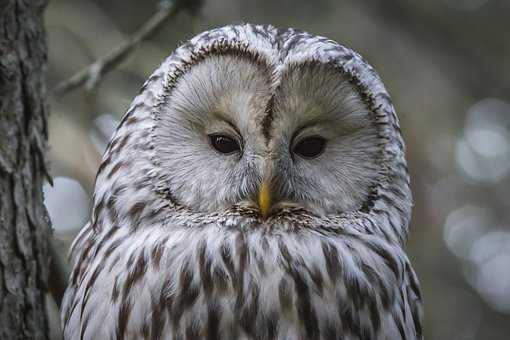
(91, 75)
(59, 271)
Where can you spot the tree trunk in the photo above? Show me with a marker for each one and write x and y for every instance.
(24, 225)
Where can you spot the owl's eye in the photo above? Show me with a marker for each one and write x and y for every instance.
(310, 147)
(224, 144)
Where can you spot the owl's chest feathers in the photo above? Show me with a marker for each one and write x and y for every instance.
(248, 282)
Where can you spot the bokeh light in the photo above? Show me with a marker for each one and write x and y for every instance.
(463, 227)
(489, 265)
(483, 152)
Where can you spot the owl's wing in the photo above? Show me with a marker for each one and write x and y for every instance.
(412, 296)
(69, 318)
(406, 317)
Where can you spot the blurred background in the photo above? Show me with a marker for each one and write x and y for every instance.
(446, 64)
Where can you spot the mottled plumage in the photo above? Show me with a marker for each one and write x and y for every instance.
(176, 247)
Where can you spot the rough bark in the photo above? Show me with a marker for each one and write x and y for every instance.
(24, 226)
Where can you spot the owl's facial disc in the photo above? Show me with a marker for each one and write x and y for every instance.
(230, 138)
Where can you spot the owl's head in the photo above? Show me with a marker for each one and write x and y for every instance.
(257, 117)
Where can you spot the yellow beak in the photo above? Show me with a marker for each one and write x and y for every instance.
(264, 199)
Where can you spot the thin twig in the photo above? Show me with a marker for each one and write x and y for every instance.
(92, 74)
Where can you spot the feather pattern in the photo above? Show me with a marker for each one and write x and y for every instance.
(148, 267)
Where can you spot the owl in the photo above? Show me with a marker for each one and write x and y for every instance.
(256, 188)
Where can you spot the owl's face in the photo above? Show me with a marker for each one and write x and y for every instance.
(235, 130)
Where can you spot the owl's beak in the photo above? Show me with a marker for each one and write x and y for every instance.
(264, 199)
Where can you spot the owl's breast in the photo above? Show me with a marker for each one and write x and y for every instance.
(236, 284)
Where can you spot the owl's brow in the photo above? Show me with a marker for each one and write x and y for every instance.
(220, 116)
(309, 124)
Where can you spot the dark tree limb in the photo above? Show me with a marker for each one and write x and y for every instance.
(24, 224)
(59, 272)
(91, 75)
